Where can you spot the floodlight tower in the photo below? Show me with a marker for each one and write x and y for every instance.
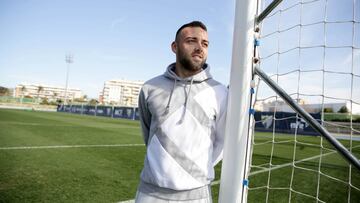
(69, 58)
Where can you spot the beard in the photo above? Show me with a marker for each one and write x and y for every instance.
(190, 65)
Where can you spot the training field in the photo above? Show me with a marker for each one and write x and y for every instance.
(83, 159)
(61, 157)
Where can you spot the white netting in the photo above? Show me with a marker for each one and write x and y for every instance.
(312, 50)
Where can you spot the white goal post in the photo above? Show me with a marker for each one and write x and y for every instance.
(237, 143)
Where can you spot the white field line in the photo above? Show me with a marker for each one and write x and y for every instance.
(217, 182)
(128, 201)
(281, 166)
(55, 125)
(261, 171)
(70, 146)
(33, 124)
(291, 163)
(284, 165)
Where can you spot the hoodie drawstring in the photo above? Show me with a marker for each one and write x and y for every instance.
(186, 102)
(167, 108)
(171, 93)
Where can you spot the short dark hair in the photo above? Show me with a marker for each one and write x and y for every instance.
(191, 24)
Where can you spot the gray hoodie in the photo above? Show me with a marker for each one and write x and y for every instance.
(183, 121)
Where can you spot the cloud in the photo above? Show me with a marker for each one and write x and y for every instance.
(116, 22)
(109, 57)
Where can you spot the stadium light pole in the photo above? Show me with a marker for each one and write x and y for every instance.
(69, 58)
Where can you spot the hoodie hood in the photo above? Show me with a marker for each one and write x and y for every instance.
(197, 78)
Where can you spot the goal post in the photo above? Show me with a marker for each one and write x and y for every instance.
(233, 183)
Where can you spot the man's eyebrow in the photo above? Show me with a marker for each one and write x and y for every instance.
(204, 40)
(191, 38)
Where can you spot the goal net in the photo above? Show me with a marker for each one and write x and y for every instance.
(311, 49)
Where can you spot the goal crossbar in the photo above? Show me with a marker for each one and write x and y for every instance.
(268, 10)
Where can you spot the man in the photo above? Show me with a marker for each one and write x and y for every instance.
(182, 114)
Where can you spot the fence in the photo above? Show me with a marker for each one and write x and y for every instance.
(10, 99)
(131, 113)
(284, 122)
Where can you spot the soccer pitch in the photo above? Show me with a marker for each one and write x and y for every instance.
(61, 157)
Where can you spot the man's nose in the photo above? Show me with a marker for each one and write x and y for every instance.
(198, 47)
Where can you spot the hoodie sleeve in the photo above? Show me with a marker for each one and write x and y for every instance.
(145, 116)
(220, 133)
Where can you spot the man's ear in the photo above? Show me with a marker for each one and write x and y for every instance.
(174, 47)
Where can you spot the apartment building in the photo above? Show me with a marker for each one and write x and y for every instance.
(120, 92)
(272, 106)
(42, 91)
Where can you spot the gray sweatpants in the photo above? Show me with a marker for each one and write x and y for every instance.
(144, 198)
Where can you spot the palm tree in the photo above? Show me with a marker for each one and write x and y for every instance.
(40, 89)
(23, 89)
(55, 95)
(85, 97)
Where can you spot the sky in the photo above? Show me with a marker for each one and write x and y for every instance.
(109, 39)
(130, 39)
(329, 39)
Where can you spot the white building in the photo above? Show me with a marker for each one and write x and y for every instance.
(311, 108)
(41, 91)
(121, 92)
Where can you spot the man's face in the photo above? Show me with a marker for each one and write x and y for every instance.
(191, 48)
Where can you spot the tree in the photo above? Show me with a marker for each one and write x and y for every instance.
(59, 101)
(40, 89)
(81, 99)
(93, 102)
(45, 101)
(343, 109)
(4, 91)
(55, 95)
(23, 89)
(328, 110)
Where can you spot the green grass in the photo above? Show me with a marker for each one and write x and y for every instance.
(341, 117)
(305, 176)
(102, 174)
(111, 174)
